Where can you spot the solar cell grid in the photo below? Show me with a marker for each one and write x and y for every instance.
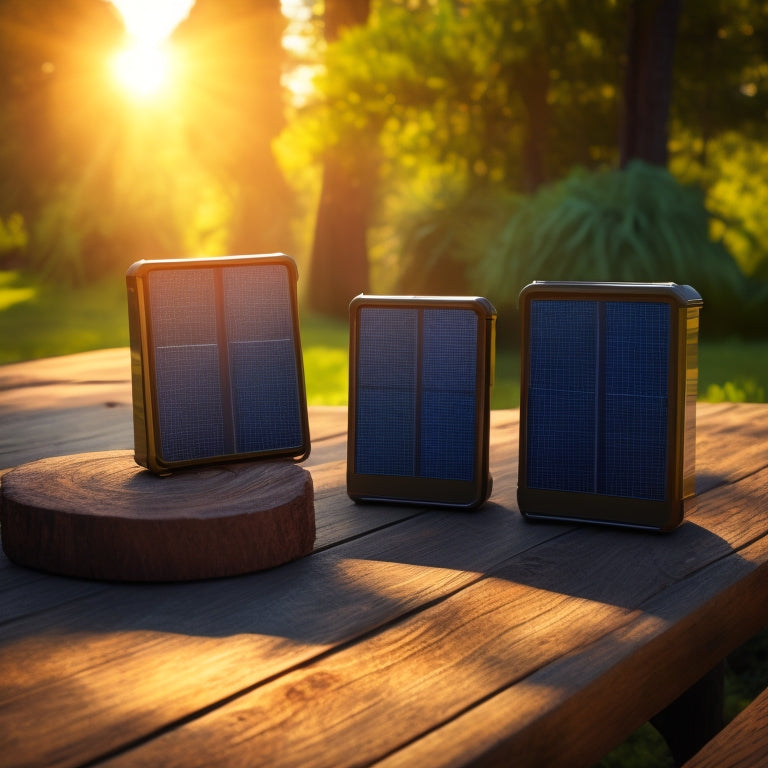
(265, 396)
(636, 399)
(257, 303)
(183, 306)
(597, 397)
(415, 411)
(225, 371)
(189, 402)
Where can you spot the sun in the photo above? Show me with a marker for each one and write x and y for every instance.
(143, 69)
(145, 66)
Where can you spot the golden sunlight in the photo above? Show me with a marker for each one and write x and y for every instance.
(142, 68)
(145, 66)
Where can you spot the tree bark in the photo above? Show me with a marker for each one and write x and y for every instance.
(339, 262)
(648, 84)
(533, 86)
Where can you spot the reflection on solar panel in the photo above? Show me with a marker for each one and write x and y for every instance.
(216, 359)
(608, 401)
(420, 373)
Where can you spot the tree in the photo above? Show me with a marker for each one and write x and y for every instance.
(56, 122)
(339, 262)
(648, 81)
(720, 68)
(101, 180)
(463, 100)
(233, 110)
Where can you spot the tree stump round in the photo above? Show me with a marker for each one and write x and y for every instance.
(100, 516)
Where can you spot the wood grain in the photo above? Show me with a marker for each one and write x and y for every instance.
(100, 516)
(743, 743)
(409, 637)
(557, 630)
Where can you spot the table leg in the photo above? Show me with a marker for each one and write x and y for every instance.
(692, 719)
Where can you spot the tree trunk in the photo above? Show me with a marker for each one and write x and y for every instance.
(533, 86)
(236, 110)
(648, 83)
(264, 203)
(339, 266)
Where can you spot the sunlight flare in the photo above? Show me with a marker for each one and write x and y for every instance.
(151, 22)
(144, 67)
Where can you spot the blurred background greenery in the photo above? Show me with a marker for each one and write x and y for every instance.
(409, 146)
(41, 320)
(414, 146)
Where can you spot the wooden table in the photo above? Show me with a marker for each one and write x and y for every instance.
(410, 637)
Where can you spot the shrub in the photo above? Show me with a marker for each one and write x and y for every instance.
(638, 225)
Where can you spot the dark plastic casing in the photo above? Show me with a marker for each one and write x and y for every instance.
(420, 379)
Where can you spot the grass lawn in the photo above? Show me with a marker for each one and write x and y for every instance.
(44, 321)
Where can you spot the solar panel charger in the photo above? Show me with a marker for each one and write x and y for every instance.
(608, 402)
(421, 371)
(216, 362)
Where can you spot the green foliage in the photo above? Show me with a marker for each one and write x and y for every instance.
(721, 75)
(442, 245)
(325, 350)
(728, 168)
(643, 748)
(746, 674)
(742, 391)
(14, 290)
(637, 224)
(452, 98)
(447, 84)
(733, 371)
(13, 233)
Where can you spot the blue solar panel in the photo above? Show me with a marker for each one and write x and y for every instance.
(597, 406)
(262, 360)
(187, 376)
(633, 453)
(225, 362)
(416, 372)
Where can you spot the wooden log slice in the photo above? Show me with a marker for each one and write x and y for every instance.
(100, 516)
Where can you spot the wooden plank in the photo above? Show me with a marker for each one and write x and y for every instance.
(83, 402)
(469, 646)
(743, 743)
(106, 366)
(541, 720)
(535, 628)
(179, 650)
(742, 427)
(544, 717)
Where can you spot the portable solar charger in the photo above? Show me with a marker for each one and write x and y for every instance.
(421, 372)
(216, 362)
(608, 402)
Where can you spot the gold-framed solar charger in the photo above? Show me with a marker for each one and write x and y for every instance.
(421, 371)
(216, 363)
(609, 374)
